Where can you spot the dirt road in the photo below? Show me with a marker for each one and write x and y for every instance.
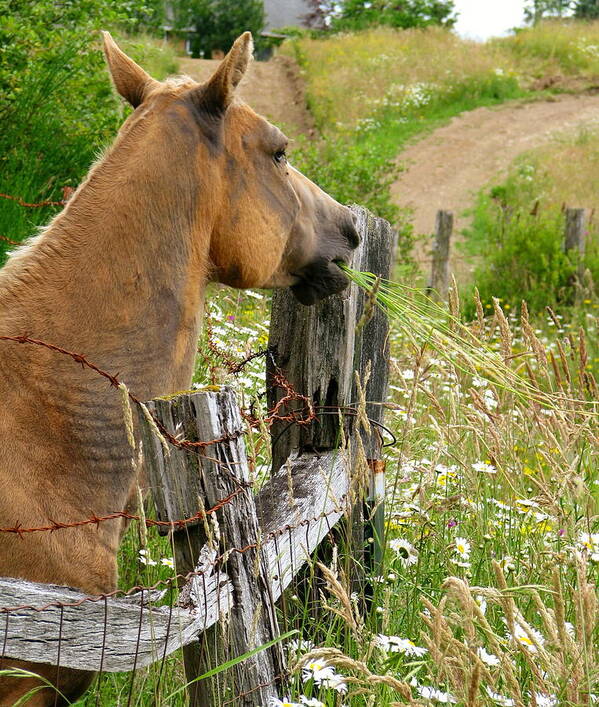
(445, 169)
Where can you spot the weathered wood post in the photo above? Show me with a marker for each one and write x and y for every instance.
(438, 285)
(318, 349)
(574, 242)
(187, 481)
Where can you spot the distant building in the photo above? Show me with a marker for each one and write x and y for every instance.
(285, 13)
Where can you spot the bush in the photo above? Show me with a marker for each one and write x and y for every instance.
(59, 108)
(516, 240)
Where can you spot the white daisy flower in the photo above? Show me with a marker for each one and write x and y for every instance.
(500, 699)
(482, 603)
(462, 548)
(589, 544)
(487, 658)
(285, 702)
(168, 562)
(484, 467)
(317, 670)
(544, 700)
(406, 553)
(395, 644)
(520, 636)
(311, 701)
(145, 559)
(431, 693)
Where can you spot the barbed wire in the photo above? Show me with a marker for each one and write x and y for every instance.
(208, 567)
(67, 192)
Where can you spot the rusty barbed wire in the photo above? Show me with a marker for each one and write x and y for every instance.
(220, 559)
(66, 191)
(19, 530)
(9, 240)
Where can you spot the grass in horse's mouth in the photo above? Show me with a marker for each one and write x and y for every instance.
(429, 324)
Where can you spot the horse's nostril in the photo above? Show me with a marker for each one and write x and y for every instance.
(351, 233)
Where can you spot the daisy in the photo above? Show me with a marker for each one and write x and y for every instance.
(145, 559)
(484, 467)
(406, 553)
(311, 701)
(285, 702)
(395, 644)
(520, 636)
(317, 670)
(430, 693)
(168, 562)
(487, 658)
(500, 699)
(589, 544)
(462, 548)
(544, 700)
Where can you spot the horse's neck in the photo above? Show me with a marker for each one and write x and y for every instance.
(117, 276)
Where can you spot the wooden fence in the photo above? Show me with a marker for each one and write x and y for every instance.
(236, 550)
(438, 281)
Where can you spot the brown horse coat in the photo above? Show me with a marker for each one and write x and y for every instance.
(196, 187)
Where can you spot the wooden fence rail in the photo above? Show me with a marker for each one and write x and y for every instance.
(235, 563)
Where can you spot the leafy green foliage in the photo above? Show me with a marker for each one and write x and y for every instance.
(219, 22)
(586, 9)
(518, 244)
(351, 15)
(59, 108)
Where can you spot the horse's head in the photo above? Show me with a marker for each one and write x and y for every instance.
(268, 225)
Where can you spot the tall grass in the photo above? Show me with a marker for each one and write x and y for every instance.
(351, 76)
(61, 116)
(555, 46)
(517, 232)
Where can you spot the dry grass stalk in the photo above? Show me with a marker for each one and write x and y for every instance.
(348, 612)
(504, 331)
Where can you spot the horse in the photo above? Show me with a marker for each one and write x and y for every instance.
(196, 188)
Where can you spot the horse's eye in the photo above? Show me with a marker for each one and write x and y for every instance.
(280, 156)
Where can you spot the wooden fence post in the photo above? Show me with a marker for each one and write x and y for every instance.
(438, 286)
(574, 240)
(318, 349)
(184, 482)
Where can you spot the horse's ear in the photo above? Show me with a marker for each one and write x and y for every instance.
(218, 93)
(130, 80)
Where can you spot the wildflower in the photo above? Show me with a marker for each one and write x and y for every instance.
(430, 693)
(482, 603)
(324, 675)
(168, 562)
(507, 564)
(406, 553)
(520, 636)
(485, 467)
(145, 558)
(311, 701)
(285, 702)
(499, 699)
(395, 644)
(462, 548)
(487, 658)
(299, 646)
(544, 700)
(589, 544)
(408, 374)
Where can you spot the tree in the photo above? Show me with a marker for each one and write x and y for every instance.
(219, 22)
(586, 9)
(536, 10)
(359, 14)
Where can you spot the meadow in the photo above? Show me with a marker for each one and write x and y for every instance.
(487, 592)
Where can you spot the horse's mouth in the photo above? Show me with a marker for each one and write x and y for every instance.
(320, 279)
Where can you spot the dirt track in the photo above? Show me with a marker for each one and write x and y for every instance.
(446, 169)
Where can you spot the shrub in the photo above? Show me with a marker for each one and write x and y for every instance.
(59, 108)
